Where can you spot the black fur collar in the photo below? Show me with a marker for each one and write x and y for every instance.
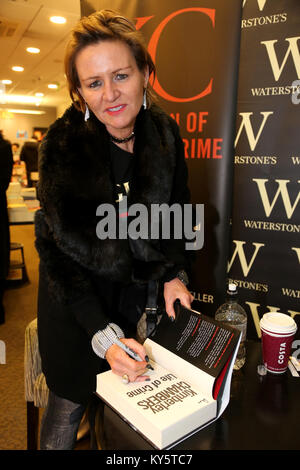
(75, 178)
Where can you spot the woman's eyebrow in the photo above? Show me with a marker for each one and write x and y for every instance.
(113, 72)
(123, 68)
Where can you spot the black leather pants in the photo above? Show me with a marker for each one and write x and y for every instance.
(60, 424)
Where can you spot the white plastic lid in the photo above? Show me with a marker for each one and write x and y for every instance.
(232, 287)
(278, 322)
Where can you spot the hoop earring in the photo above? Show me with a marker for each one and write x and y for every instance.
(145, 100)
(87, 112)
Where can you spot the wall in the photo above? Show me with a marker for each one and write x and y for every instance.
(24, 122)
(265, 251)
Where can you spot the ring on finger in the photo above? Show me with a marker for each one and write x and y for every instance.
(125, 379)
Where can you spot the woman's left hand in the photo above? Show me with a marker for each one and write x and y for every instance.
(174, 290)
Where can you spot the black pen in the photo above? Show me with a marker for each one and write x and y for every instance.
(130, 352)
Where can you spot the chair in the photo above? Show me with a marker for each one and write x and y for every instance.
(36, 389)
(16, 265)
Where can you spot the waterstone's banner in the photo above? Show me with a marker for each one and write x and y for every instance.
(265, 248)
(195, 47)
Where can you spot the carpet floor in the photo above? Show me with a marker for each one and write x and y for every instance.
(21, 307)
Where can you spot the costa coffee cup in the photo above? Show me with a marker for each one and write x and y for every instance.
(278, 331)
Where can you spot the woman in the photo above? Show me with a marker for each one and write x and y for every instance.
(111, 143)
(29, 156)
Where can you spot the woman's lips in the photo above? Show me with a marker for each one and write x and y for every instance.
(113, 110)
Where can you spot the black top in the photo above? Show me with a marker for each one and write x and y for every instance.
(122, 163)
(124, 298)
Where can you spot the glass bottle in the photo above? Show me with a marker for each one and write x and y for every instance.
(233, 314)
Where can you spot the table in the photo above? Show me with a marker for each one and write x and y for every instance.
(263, 414)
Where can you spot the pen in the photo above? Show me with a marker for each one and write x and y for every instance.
(130, 352)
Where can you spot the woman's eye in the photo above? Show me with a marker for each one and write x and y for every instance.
(121, 76)
(95, 84)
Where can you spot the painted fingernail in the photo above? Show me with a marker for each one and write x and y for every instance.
(147, 380)
(148, 366)
(146, 358)
(172, 319)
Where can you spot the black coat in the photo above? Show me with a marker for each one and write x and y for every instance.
(30, 155)
(6, 165)
(79, 273)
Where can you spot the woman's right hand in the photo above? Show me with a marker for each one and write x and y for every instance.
(121, 363)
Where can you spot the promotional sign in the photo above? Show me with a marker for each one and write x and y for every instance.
(265, 250)
(195, 47)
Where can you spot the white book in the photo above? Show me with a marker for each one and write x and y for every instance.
(189, 388)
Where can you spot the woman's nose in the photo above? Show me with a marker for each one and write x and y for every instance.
(110, 91)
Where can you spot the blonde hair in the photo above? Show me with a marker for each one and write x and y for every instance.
(104, 25)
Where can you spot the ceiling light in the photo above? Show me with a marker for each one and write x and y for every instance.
(58, 19)
(53, 86)
(17, 68)
(25, 111)
(6, 82)
(39, 94)
(33, 50)
(22, 99)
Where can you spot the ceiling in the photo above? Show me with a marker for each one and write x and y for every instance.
(25, 23)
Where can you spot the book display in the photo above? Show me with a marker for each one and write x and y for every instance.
(22, 203)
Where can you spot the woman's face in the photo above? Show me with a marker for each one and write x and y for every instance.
(111, 84)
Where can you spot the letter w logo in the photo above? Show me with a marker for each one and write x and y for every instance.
(282, 190)
(292, 49)
(261, 4)
(239, 251)
(246, 123)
